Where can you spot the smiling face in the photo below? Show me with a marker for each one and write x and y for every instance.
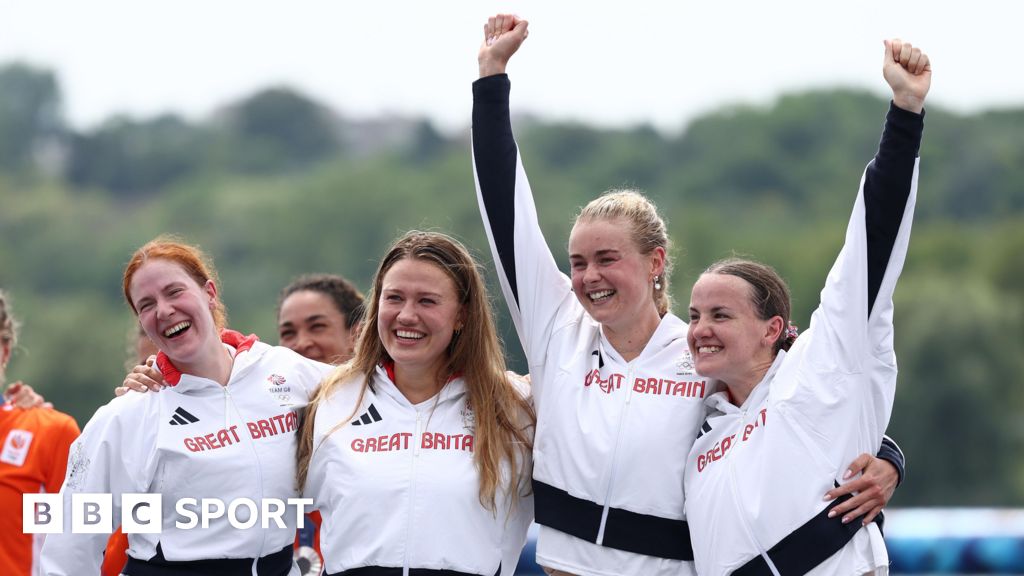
(311, 324)
(418, 312)
(175, 312)
(610, 277)
(727, 339)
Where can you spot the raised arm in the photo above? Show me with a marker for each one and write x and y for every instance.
(853, 324)
(534, 288)
(888, 179)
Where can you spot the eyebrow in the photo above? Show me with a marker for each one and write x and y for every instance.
(419, 294)
(713, 309)
(604, 252)
(310, 318)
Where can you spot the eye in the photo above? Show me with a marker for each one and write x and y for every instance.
(694, 316)
(318, 327)
(427, 301)
(578, 265)
(145, 306)
(286, 334)
(392, 298)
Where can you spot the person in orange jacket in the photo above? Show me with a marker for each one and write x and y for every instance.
(33, 456)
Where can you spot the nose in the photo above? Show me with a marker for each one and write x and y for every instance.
(303, 343)
(591, 274)
(164, 309)
(407, 313)
(699, 328)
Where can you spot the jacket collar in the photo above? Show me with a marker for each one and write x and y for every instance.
(235, 341)
(384, 379)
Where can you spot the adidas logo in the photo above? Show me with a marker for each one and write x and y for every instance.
(369, 417)
(182, 417)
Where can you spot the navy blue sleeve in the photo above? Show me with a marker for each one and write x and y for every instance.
(886, 189)
(495, 156)
(891, 453)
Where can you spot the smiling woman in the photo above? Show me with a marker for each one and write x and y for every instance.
(791, 413)
(319, 316)
(425, 419)
(224, 430)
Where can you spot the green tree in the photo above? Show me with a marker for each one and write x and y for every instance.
(277, 129)
(136, 158)
(959, 343)
(31, 118)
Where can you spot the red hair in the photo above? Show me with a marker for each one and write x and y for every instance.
(194, 261)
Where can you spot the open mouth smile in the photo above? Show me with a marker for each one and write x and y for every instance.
(177, 330)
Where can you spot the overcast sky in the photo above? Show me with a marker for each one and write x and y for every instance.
(609, 63)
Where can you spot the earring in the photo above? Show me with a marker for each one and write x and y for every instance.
(657, 282)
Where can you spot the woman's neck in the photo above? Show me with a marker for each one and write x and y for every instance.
(214, 365)
(741, 388)
(417, 385)
(630, 340)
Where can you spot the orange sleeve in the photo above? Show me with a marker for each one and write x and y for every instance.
(316, 537)
(116, 554)
(63, 436)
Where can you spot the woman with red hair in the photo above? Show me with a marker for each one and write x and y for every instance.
(225, 431)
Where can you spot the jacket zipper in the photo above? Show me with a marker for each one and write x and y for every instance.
(615, 455)
(412, 494)
(229, 402)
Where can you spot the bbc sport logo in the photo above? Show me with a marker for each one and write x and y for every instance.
(143, 513)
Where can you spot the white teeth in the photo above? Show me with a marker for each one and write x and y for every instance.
(708, 349)
(176, 328)
(600, 294)
(407, 334)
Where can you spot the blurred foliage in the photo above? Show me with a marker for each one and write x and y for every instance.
(276, 185)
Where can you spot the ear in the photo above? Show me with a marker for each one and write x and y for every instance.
(357, 330)
(460, 320)
(211, 292)
(774, 327)
(658, 261)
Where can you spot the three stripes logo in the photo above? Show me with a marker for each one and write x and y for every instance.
(182, 417)
(369, 417)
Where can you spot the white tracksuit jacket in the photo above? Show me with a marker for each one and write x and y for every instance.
(398, 488)
(195, 439)
(612, 436)
(756, 476)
